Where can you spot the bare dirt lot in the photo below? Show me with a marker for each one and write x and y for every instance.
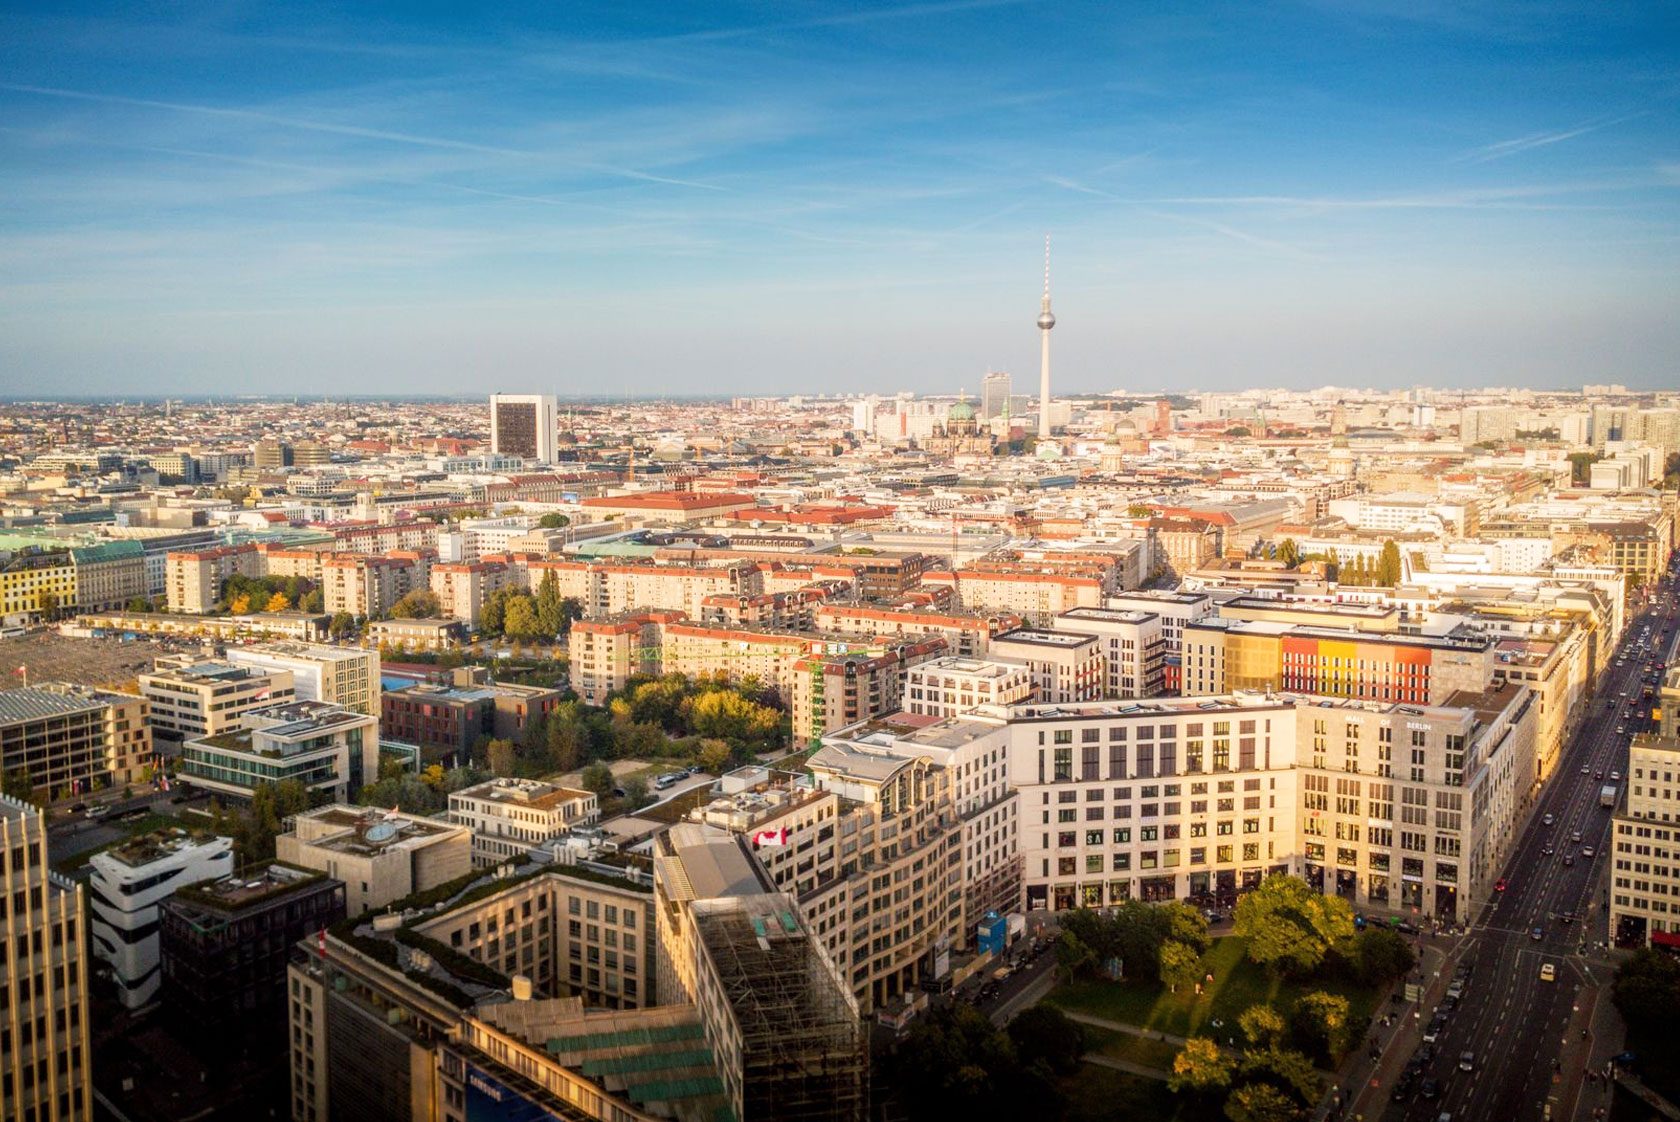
(89, 662)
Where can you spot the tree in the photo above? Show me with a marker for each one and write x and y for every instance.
(504, 759)
(1260, 1102)
(48, 603)
(550, 607)
(954, 1063)
(1323, 1019)
(1580, 466)
(598, 777)
(1288, 552)
(1073, 955)
(1389, 572)
(422, 603)
(554, 521)
(563, 738)
(1287, 1070)
(636, 793)
(1262, 1026)
(18, 785)
(240, 604)
(1647, 990)
(277, 603)
(1200, 1067)
(1180, 965)
(519, 617)
(1045, 1033)
(139, 605)
(1380, 955)
(714, 755)
(341, 624)
(1185, 924)
(1289, 926)
(313, 601)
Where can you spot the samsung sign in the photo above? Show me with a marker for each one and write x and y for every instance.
(490, 1100)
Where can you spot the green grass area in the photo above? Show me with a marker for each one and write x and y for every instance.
(1132, 1048)
(68, 866)
(1099, 1094)
(1237, 984)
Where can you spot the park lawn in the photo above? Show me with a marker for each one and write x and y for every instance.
(1237, 985)
(1101, 1094)
(1128, 1046)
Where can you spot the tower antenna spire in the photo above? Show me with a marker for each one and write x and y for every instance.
(1046, 321)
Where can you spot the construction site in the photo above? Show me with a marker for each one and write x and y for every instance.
(801, 1053)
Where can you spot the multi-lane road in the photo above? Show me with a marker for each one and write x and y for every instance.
(1523, 1033)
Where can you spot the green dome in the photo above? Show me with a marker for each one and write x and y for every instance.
(961, 411)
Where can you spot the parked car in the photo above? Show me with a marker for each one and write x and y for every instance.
(1467, 1061)
(1537, 934)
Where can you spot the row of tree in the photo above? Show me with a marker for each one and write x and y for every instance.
(1384, 571)
(242, 594)
(1139, 942)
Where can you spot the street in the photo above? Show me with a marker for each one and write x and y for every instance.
(1529, 1040)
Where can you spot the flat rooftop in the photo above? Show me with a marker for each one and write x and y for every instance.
(32, 703)
(1043, 638)
(144, 849)
(525, 792)
(716, 862)
(1108, 615)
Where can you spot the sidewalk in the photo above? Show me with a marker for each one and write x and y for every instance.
(1368, 1080)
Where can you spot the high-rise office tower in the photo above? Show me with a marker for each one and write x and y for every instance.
(994, 395)
(1046, 321)
(523, 425)
(43, 980)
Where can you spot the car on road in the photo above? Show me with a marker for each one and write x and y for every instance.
(1548, 972)
(1586, 769)
(1537, 934)
(1548, 820)
(1587, 852)
(1621, 728)
(1467, 1061)
(78, 808)
(1402, 1089)
(1433, 1032)
(1499, 885)
(1598, 775)
(1615, 775)
(1430, 1089)
(98, 812)
(1548, 851)
(1568, 858)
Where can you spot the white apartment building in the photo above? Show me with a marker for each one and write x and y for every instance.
(190, 698)
(344, 676)
(1393, 807)
(510, 817)
(126, 885)
(1132, 644)
(1174, 608)
(1066, 666)
(950, 686)
(1406, 513)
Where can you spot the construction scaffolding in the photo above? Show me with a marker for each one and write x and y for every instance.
(802, 1051)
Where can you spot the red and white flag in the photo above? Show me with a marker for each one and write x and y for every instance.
(777, 836)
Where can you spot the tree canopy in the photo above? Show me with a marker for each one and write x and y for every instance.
(1291, 927)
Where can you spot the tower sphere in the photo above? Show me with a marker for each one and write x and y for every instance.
(1046, 320)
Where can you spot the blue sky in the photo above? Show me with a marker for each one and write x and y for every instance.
(787, 197)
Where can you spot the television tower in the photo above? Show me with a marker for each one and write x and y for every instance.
(1046, 320)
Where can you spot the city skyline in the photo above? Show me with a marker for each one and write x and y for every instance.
(756, 200)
